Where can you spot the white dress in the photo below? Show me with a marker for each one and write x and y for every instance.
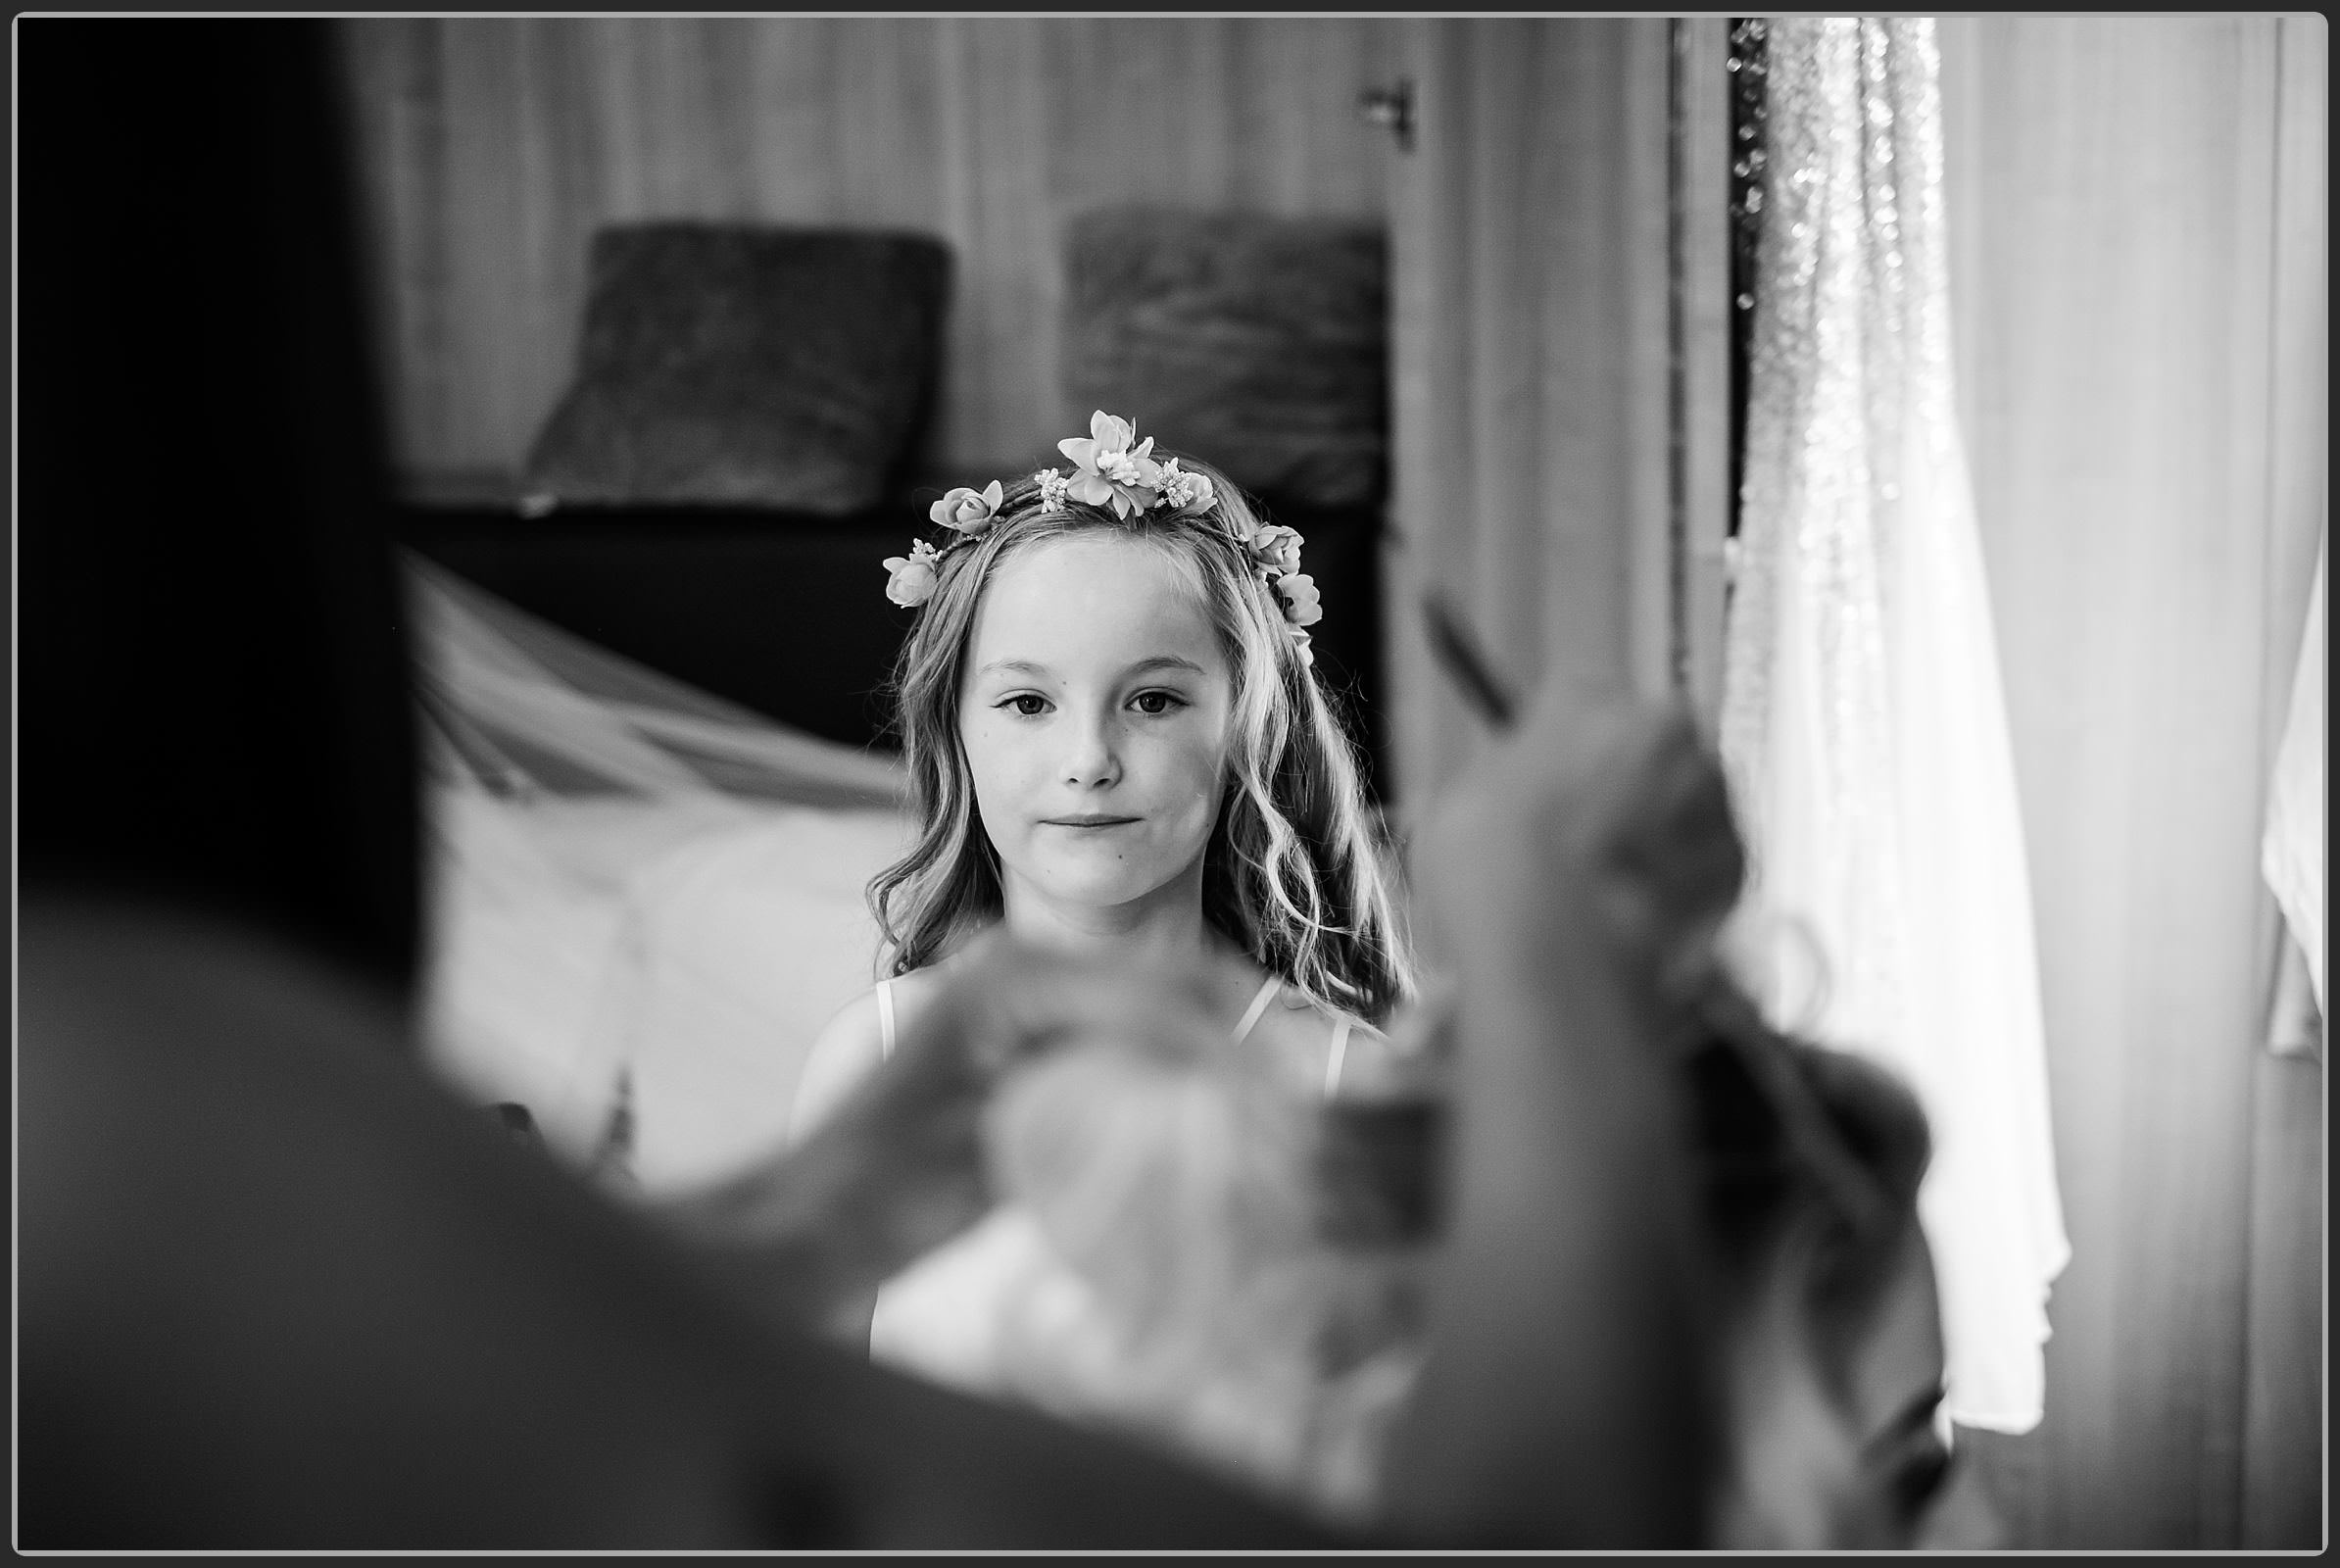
(1863, 723)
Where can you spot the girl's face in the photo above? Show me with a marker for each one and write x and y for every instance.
(1095, 713)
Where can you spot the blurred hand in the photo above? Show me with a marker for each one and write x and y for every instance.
(911, 1132)
(1571, 888)
(897, 1168)
(1605, 821)
(281, 1292)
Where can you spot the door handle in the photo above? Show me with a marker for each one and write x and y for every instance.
(1392, 108)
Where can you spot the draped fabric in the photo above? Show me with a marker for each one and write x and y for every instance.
(529, 708)
(2291, 853)
(1862, 724)
(644, 902)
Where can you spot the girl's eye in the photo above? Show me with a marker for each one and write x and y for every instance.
(1159, 702)
(1026, 704)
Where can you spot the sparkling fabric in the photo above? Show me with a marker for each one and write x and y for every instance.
(1862, 724)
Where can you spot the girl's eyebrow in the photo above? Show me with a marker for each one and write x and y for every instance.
(1162, 661)
(1025, 666)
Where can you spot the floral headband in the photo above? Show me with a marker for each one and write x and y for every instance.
(1107, 471)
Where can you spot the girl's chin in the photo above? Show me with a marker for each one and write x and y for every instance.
(1099, 881)
(1098, 892)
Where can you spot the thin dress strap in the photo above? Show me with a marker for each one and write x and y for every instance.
(885, 996)
(1338, 1055)
(1259, 1005)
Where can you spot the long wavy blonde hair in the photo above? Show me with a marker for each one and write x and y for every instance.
(1293, 876)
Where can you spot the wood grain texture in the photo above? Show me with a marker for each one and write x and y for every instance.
(493, 146)
(2114, 215)
(2283, 1506)
(2283, 1503)
(1702, 209)
(1530, 365)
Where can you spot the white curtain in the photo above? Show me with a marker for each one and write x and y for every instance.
(1863, 723)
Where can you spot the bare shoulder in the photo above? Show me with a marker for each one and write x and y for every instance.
(842, 1054)
(1371, 1062)
(915, 992)
(852, 1044)
(1326, 1048)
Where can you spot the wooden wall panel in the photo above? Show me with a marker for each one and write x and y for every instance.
(1001, 180)
(2284, 1502)
(2283, 1505)
(2113, 217)
(493, 146)
(1531, 366)
(1703, 153)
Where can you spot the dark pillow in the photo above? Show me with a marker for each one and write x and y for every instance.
(723, 364)
(1256, 343)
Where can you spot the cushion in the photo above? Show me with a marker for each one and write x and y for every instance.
(760, 366)
(1256, 343)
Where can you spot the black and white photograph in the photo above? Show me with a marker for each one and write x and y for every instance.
(1174, 783)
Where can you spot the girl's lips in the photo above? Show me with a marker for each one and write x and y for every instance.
(1085, 821)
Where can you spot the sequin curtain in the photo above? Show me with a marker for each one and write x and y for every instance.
(1863, 723)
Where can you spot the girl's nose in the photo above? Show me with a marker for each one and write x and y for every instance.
(1095, 761)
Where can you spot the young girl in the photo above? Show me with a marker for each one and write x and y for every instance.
(1117, 748)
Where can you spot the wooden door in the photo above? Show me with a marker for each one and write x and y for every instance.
(1559, 397)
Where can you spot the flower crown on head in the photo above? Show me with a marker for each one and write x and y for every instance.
(1108, 471)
